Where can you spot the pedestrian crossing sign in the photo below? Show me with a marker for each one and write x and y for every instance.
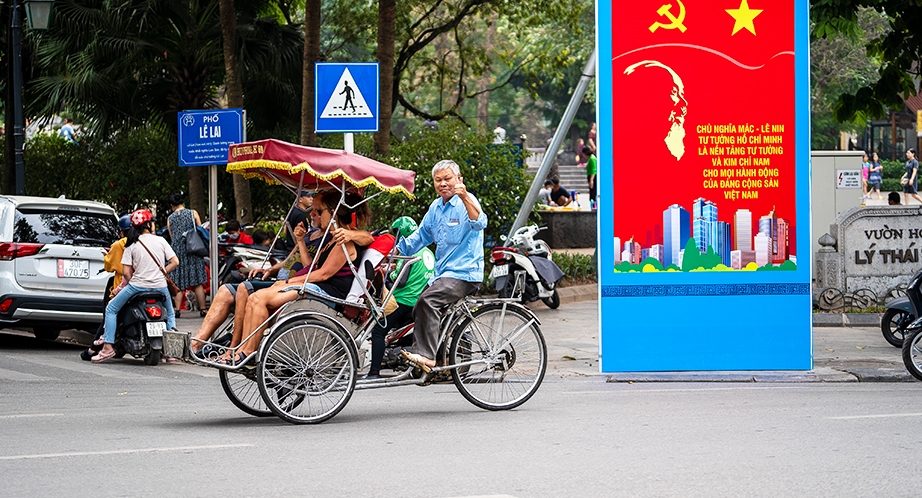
(346, 97)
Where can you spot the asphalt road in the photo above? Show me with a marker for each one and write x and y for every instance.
(71, 428)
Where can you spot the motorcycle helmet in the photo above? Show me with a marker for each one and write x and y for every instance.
(404, 226)
(140, 217)
(124, 223)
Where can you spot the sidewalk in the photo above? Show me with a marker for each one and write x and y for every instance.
(841, 354)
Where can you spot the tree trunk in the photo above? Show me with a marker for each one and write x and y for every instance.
(242, 201)
(197, 190)
(387, 11)
(483, 98)
(311, 56)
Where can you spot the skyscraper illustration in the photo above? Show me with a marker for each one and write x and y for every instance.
(617, 251)
(704, 224)
(676, 232)
(742, 230)
(763, 245)
(781, 255)
(724, 241)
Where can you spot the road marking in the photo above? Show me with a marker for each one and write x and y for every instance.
(614, 390)
(29, 415)
(884, 415)
(20, 376)
(123, 452)
(82, 367)
(486, 496)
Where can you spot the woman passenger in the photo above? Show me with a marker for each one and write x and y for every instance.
(330, 275)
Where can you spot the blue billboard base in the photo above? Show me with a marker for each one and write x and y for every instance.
(706, 333)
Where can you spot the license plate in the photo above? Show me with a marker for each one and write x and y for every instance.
(73, 268)
(156, 329)
(499, 271)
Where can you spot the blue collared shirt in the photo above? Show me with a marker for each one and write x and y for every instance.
(458, 239)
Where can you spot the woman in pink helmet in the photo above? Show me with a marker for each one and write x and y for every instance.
(145, 254)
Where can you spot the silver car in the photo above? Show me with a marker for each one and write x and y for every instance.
(51, 263)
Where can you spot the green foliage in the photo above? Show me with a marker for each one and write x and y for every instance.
(840, 64)
(55, 167)
(489, 172)
(895, 50)
(892, 172)
(576, 267)
(136, 168)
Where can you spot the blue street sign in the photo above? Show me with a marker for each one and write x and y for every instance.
(345, 97)
(205, 136)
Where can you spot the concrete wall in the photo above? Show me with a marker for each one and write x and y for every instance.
(827, 200)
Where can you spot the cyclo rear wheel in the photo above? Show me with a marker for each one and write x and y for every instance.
(243, 391)
(510, 342)
(307, 371)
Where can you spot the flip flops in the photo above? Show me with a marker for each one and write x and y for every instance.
(103, 356)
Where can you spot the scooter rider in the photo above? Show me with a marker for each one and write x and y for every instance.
(143, 273)
(455, 222)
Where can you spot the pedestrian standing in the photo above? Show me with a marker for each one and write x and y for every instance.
(865, 173)
(875, 176)
(67, 131)
(592, 138)
(191, 272)
(592, 167)
(910, 178)
(499, 134)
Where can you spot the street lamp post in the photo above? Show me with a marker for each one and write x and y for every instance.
(39, 17)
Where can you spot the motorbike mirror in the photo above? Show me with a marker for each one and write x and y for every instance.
(502, 238)
(243, 212)
(220, 206)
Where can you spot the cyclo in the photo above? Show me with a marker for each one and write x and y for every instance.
(307, 365)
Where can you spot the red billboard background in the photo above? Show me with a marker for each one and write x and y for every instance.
(716, 86)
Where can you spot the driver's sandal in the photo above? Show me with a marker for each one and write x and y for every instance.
(417, 360)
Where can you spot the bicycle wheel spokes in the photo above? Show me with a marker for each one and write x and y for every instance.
(509, 343)
(307, 373)
(243, 391)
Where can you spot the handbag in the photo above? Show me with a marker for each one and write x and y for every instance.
(195, 244)
(170, 285)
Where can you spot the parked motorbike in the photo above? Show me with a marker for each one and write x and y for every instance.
(139, 329)
(912, 344)
(245, 257)
(896, 319)
(530, 259)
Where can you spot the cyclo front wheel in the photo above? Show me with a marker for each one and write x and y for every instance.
(307, 371)
(243, 391)
(508, 352)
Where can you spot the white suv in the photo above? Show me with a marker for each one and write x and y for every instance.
(51, 263)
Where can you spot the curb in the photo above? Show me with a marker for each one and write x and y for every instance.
(820, 374)
(578, 293)
(846, 320)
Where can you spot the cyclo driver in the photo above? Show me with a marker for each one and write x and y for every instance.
(455, 222)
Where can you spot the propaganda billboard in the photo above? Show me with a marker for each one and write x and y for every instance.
(704, 184)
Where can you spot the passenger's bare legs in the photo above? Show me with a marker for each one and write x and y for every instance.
(220, 309)
(257, 311)
(239, 314)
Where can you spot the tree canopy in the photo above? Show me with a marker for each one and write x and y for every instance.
(896, 50)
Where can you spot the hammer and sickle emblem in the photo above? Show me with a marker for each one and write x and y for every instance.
(675, 22)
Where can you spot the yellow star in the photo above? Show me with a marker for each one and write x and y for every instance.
(743, 17)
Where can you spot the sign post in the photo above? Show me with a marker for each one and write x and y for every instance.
(346, 99)
(204, 138)
(708, 267)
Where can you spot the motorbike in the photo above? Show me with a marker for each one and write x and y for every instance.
(139, 329)
(529, 262)
(901, 312)
(245, 257)
(912, 344)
